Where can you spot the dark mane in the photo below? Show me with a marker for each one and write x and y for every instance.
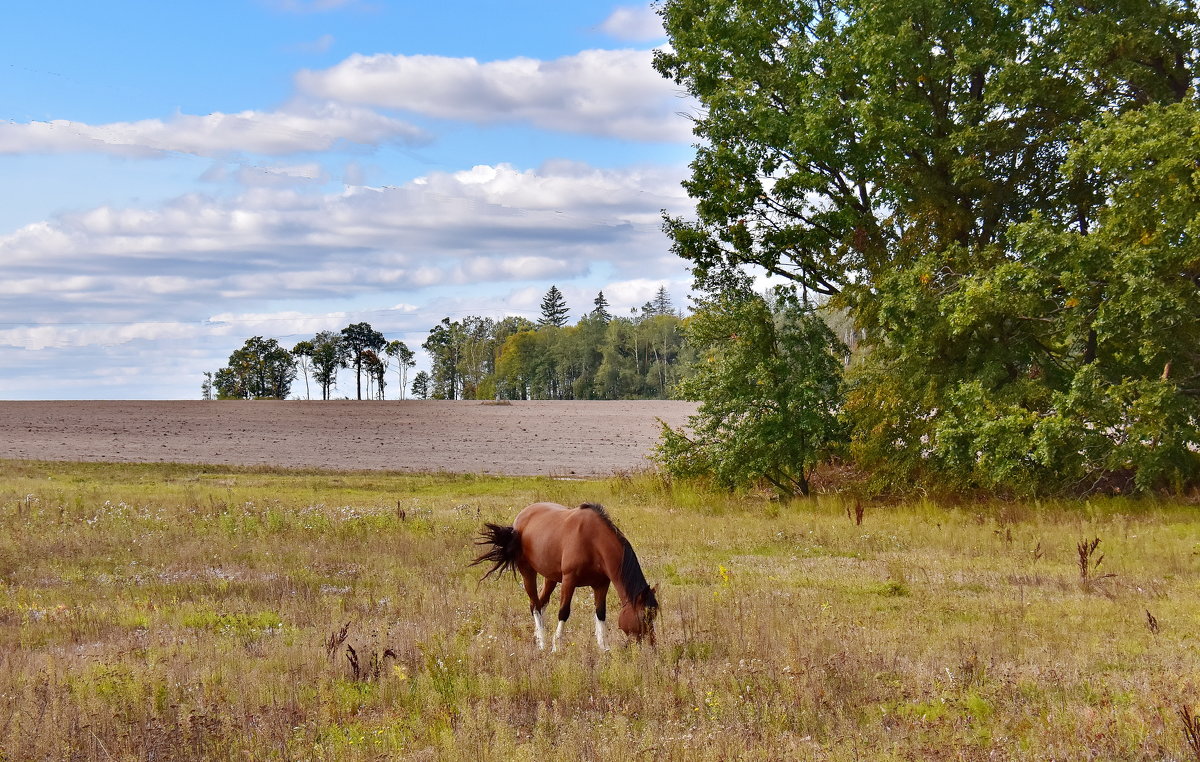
(598, 509)
(632, 578)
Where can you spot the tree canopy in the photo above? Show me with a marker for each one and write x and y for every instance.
(1002, 196)
(259, 369)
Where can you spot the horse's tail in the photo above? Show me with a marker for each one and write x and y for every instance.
(505, 550)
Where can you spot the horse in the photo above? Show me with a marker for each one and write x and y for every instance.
(576, 547)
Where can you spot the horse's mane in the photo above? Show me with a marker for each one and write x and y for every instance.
(599, 510)
(632, 577)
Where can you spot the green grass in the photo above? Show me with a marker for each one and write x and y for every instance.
(164, 611)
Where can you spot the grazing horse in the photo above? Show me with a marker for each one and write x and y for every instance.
(576, 547)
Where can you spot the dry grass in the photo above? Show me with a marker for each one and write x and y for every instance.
(169, 612)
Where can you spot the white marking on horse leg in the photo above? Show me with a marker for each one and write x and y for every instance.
(557, 635)
(600, 634)
(539, 629)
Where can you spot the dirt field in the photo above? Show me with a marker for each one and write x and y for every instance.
(522, 438)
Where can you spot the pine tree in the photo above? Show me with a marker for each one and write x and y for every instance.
(601, 310)
(554, 309)
(662, 302)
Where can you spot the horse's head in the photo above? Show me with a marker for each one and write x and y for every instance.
(637, 617)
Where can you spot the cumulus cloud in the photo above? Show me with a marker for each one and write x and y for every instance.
(611, 93)
(481, 225)
(304, 128)
(636, 23)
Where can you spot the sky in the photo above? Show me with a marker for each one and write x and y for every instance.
(179, 177)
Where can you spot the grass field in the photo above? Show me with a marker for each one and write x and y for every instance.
(180, 612)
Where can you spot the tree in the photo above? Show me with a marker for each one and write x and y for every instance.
(660, 305)
(420, 385)
(601, 311)
(260, 369)
(359, 338)
(405, 361)
(954, 174)
(445, 347)
(303, 352)
(206, 386)
(554, 309)
(329, 354)
(769, 387)
(376, 370)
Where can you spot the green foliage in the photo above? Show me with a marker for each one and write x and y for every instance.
(329, 353)
(554, 309)
(359, 339)
(260, 369)
(1003, 197)
(601, 357)
(769, 384)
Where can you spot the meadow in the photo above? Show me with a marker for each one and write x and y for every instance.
(159, 612)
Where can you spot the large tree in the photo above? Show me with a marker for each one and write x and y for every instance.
(958, 174)
(259, 369)
(405, 361)
(445, 348)
(360, 338)
(328, 355)
(554, 309)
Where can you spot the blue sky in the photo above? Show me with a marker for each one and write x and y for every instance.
(181, 176)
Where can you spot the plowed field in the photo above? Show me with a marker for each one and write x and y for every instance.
(522, 438)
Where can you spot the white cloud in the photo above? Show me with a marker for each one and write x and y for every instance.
(612, 93)
(304, 128)
(198, 254)
(636, 23)
(320, 45)
(312, 6)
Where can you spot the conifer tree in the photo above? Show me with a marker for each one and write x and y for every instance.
(601, 310)
(554, 309)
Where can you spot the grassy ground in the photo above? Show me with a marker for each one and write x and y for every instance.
(179, 612)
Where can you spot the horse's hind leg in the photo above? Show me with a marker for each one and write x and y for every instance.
(536, 605)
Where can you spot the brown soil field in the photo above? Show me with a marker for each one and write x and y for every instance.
(554, 438)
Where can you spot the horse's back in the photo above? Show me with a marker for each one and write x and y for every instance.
(557, 539)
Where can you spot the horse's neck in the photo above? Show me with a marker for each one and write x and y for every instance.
(621, 579)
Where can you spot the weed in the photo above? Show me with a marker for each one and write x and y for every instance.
(1089, 562)
(1191, 731)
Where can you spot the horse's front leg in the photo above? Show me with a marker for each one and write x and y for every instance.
(564, 607)
(601, 592)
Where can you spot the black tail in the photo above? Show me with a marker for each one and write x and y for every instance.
(506, 549)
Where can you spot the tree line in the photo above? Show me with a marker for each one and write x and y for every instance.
(263, 369)
(603, 356)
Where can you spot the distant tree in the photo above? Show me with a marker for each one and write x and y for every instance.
(206, 386)
(445, 347)
(554, 309)
(329, 354)
(359, 338)
(405, 360)
(260, 369)
(601, 311)
(376, 370)
(660, 304)
(303, 352)
(420, 385)
(769, 386)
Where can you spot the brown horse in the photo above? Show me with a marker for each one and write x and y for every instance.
(576, 547)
